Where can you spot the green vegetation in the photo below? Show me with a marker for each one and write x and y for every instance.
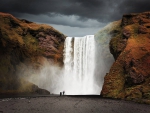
(31, 42)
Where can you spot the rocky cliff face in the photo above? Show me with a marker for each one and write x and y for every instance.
(129, 76)
(24, 43)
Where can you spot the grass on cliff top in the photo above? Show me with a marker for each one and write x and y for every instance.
(13, 30)
(6, 17)
(13, 27)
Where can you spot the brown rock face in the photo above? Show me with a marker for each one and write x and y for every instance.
(129, 76)
(24, 43)
(142, 30)
(126, 33)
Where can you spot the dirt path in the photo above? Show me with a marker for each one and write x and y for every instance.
(67, 104)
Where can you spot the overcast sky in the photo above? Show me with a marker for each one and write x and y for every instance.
(74, 17)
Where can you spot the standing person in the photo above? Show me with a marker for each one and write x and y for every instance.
(63, 92)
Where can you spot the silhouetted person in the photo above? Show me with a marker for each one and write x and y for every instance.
(60, 93)
(63, 92)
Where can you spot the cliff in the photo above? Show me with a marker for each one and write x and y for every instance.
(129, 76)
(22, 44)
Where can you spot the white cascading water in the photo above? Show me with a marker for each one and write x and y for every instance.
(79, 65)
(86, 60)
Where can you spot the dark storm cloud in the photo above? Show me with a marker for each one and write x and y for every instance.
(100, 10)
(83, 8)
(73, 21)
(129, 6)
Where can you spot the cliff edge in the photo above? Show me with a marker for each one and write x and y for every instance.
(22, 44)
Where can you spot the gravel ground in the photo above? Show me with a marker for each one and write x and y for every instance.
(69, 104)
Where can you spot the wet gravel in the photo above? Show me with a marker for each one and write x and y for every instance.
(69, 104)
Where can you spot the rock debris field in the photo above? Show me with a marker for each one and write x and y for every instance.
(69, 104)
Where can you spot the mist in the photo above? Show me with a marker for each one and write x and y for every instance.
(86, 62)
(76, 77)
(103, 58)
(49, 77)
(104, 61)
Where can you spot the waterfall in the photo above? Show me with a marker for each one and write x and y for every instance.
(86, 61)
(84, 68)
(79, 65)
